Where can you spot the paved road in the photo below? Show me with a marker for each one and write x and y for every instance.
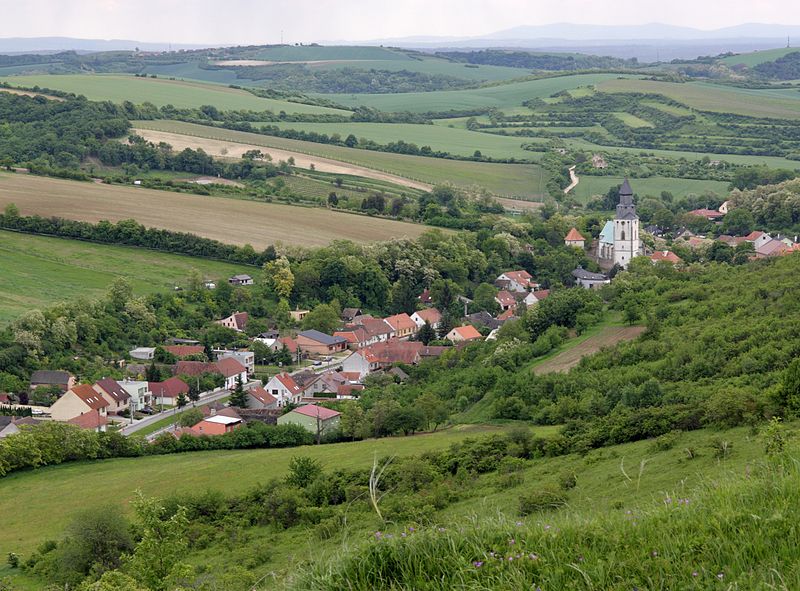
(147, 421)
(574, 178)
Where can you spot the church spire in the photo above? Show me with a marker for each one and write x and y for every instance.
(626, 210)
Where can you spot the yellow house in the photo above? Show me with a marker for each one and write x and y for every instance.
(76, 401)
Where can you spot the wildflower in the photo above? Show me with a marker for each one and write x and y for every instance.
(694, 573)
(720, 576)
(546, 527)
(519, 524)
(378, 535)
(410, 528)
(441, 530)
(491, 554)
(533, 556)
(654, 553)
(510, 558)
(477, 563)
(512, 541)
(403, 534)
(580, 558)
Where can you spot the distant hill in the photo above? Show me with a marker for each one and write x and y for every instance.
(10, 45)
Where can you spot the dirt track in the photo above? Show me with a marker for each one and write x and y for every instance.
(28, 93)
(225, 149)
(608, 337)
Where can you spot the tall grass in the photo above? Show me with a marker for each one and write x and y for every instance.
(734, 533)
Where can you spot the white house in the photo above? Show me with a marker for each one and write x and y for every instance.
(535, 297)
(430, 315)
(589, 280)
(284, 389)
(232, 371)
(358, 363)
(246, 358)
(241, 280)
(143, 353)
(139, 392)
(518, 281)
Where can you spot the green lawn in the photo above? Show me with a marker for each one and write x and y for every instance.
(114, 481)
(503, 179)
(39, 271)
(506, 97)
(460, 142)
(599, 185)
(118, 88)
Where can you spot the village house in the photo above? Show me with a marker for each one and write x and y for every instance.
(425, 297)
(314, 418)
(216, 425)
(117, 397)
(463, 334)
(93, 420)
(378, 331)
(535, 297)
(758, 239)
(665, 256)
(46, 377)
(142, 353)
(356, 336)
(483, 318)
(315, 342)
(186, 351)
(516, 281)
(10, 425)
(139, 392)
(589, 280)
(506, 300)
(167, 392)
(284, 389)
(246, 358)
(78, 400)
(298, 315)
(381, 356)
(402, 325)
(259, 398)
(711, 215)
(243, 279)
(348, 314)
(430, 315)
(232, 371)
(574, 238)
(236, 321)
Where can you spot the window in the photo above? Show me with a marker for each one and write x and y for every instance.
(623, 234)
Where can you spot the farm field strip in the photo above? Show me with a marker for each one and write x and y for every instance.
(599, 185)
(233, 221)
(508, 180)
(160, 92)
(73, 269)
(607, 337)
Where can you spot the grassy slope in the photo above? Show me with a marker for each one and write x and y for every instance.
(161, 92)
(234, 221)
(599, 185)
(711, 97)
(503, 179)
(757, 57)
(504, 97)
(39, 271)
(456, 141)
(228, 471)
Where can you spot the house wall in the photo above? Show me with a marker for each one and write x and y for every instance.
(208, 428)
(356, 363)
(308, 423)
(113, 407)
(310, 346)
(68, 407)
(255, 403)
(281, 392)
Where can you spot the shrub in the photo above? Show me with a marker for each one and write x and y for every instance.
(541, 500)
(303, 471)
(567, 481)
(666, 441)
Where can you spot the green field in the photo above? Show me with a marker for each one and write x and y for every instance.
(523, 180)
(227, 471)
(505, 97)
(757, 57)
(455, 141)
(161, 92)
(599, 185)
(632, 120)
(705, 96)
(39, 271)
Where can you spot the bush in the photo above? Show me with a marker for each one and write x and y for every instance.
(541, 500)
(567, 481)
(666, 441)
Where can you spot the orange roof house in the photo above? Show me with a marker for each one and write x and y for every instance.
(76, 401)
(402, 324)
(665, 256)
(462, 334)
(574, 238)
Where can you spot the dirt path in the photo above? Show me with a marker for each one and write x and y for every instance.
(226, 149)
(608, 337)
(28, 93)
(574, 178)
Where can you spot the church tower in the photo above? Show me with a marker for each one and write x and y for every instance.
(626, 228)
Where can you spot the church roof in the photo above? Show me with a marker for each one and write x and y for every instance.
(607, 234)
(625, 189)
(626, 210)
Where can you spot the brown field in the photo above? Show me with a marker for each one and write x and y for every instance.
(518, 204)
(608, 337)
(234, 221)
(226, 149)
(28, 93)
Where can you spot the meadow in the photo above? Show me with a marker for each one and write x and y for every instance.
(525, 180)
(160, 92)
(505, 97)
(706, 96)
(756, 57)
(227, 471)
(39, 271)
(599, 185)
(233, 221)
(460, 142)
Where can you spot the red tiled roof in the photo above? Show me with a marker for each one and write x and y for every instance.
(707, 213)
(89, 420)
(431, 315)
(506, 315)
(185, 350)
(467, 332)
(393, 351)
(375, 327)
(771, 248)
(289, 343)
(574, 235)
(288, 382)
(4, 398)
(262, 395)
(314, 411)
(170, 388)
(195, 368)
(522, 277)
(754, 235)
(113, 389)
(665, 255)
(401, 322)
(90, 397)
(541, 294)
(425, 297)
(352, 334)
(229, 367)
(352, 376)
(505, 298)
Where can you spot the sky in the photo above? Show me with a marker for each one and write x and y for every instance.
(303, 21)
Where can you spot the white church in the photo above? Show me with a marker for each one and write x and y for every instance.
(619, 240)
